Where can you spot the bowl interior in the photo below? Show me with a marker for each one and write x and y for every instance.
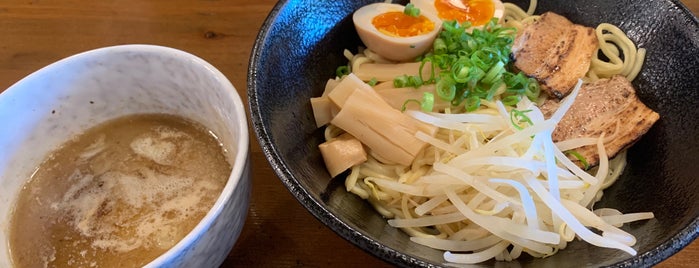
(660, 176)
(63, 99)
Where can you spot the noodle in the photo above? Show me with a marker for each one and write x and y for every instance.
(488, 187)
(624, 58)
(492, 204)
(616, 55)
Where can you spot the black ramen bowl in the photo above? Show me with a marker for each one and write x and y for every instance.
(301, 43)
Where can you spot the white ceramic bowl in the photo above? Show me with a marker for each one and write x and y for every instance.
(48, 107)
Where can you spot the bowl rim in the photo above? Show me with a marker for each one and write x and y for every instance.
(242, 143)
(360, 239)
(239, 164)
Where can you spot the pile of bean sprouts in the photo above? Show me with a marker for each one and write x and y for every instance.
(492, 184)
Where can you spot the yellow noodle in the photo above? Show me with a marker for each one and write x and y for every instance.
(623, 56)
(532, 7)
(351, 183)
(379, 207)
(332, 131)
(363, 179)
(638, 63)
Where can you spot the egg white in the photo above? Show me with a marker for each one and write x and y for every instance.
(392, 47)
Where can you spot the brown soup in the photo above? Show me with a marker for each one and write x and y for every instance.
(118, 195)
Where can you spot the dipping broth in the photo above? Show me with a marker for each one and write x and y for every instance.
(118, 195)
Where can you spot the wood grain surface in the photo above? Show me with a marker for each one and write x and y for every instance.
(279, 232)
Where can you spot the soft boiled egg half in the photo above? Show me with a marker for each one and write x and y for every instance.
(478, 12)
(388, 31)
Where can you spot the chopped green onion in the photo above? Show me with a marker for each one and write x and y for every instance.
(400, 81)
(405, 104)
(460, 71)
(446, 89)
(476, 73)
(411, 10)
(533, 90)
(480, 91)
(414, 81)
(482, 58)
(580, 158)
(373, 81)
(474, 64)
(439, 46)
(426, 104)
(517, 117)
(495, 73)
(342, 71)
(407, 81)
(472, 103)
(511, 100)
(422, 66)
(493, 89)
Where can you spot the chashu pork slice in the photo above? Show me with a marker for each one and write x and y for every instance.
(555, 52)
(608, 106)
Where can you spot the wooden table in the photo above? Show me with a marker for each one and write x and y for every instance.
(278, 231)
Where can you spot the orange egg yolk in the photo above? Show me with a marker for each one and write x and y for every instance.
(401, 25)
(478, 12)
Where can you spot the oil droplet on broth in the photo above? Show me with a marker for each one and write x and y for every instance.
(118, 195)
